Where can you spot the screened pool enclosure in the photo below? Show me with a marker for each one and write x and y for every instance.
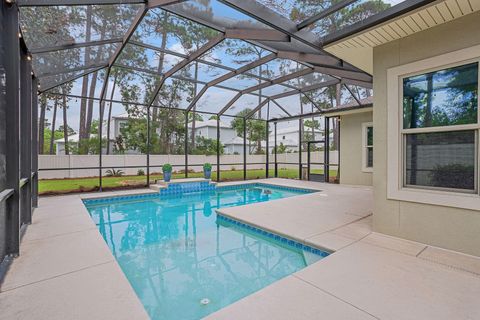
(103, 89)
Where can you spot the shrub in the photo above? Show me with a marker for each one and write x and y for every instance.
(140, 172)
(207, 167)
(167, 167)
(113, 173)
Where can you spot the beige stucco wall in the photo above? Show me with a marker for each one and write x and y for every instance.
(448, 227)
(351, 149)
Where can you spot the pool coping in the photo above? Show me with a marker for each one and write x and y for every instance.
(287, 241)
(74, 206)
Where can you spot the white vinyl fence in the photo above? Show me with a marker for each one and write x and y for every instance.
(70, 164)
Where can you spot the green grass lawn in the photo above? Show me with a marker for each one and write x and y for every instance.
(88, 184)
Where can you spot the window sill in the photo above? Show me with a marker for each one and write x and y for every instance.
(367, 170)
(439, 198)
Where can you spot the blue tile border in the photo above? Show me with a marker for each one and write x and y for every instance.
(187, 187)
(273, 236)
(178, 189)
(266, 185)
(120, 198)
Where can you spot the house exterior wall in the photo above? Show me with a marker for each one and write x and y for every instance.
(351, 149)
(440, 225)
(117, 126)
(226, 134)
(59, 148)
(233, 149)
(293, 136)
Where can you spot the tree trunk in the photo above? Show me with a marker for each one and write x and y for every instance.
(65, 124)
(52, 136)
(41, 125)
(109, 119)
(93, 87)
(161, 61)
(83, 105)
(91, 94)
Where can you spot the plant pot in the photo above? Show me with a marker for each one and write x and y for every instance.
(167, 176)
(207, 174)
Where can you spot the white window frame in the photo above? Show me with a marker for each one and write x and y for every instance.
(365, 146)
(395, 153)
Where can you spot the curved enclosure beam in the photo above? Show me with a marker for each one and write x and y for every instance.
(291, 93)
(265, 85)
(301, 41)
(257, 108)
(136, 22)
(230, 103)
(230, 75)
(46, 3)
(75, 45)
(209, 45)
(306, 89)
(257, 34)
(325, 13)
(69, 79)
(281, 108)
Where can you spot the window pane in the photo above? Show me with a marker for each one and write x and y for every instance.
(441, 98)
(441, 159)
(369, 136)
(369, 157)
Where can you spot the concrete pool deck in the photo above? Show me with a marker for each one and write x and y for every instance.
(66, 271)
(370, 275)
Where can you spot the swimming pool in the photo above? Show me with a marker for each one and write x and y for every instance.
(183, 261)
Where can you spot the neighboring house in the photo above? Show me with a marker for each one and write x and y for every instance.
(234, 146)
(60, 144)
(290, 144)
(290, 136)
(425, 123)
(73, 141)
(117, 123)
(208, 130)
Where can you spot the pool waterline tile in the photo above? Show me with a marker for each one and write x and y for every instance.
(272, 236)
(175, 189)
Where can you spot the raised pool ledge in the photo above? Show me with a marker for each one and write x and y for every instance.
(278, 238)
(179, 183)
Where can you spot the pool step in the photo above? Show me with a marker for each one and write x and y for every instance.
(183, 185)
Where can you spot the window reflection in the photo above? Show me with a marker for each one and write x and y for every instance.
(441, 98)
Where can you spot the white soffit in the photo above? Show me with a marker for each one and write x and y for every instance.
(358, 49)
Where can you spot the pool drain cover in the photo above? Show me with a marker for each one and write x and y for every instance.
(205, 301)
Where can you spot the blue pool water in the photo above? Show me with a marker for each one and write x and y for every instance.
(182, 261)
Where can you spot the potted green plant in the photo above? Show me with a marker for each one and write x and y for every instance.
(167, 172)
(207, 170)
